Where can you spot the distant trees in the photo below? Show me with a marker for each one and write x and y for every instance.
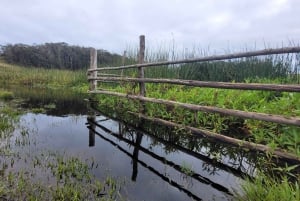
(54, 55)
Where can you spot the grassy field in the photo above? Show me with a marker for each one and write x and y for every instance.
(40, 77)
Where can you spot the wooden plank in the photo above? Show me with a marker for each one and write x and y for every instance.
(223, 138)
(222, 85)
(229, 112)
(283, 50)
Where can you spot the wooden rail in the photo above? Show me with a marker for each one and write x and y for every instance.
(238, 113)
(195, 83)
(265, 52)
(141, 80)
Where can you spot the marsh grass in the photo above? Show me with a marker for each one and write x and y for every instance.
(266, 188)
(285, 68)
(73, 182)
(6, 95)
(8, 118)
(40, 77)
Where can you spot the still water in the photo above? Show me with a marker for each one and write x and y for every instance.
(149, 163)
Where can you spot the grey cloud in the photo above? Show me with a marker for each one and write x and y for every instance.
(113, 24)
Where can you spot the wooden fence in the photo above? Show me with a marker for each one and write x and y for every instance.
(94, 77)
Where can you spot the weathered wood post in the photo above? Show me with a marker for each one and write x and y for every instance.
(141, 72)
(139, 135)
(93, 65)
(93, 86)
(123, 62)
(141, 69)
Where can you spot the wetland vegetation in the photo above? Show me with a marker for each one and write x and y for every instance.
(282, 69)
(71, 178)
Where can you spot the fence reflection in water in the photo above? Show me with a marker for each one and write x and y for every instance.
(133, 136)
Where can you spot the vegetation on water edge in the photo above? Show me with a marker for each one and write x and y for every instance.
(274, 135)
(69, 177)
(6, 95)
(270, 189)
(73, 182)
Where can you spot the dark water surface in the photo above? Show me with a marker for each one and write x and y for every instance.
(147, 164)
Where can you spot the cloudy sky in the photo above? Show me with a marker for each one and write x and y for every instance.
(114, 25)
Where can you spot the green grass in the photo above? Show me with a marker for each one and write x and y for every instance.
(8, 118)
(73, 182)
(6, 95)
(40, 77)
(269, 189)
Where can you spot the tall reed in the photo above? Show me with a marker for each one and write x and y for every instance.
(284, 68)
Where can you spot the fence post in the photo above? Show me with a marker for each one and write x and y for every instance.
(123, 62)
(141, 69)
(141, 73)
(93, 65)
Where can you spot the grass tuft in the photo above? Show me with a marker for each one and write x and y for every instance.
(269, 189)
(6, 95)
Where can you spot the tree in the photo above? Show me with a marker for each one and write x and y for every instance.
(55, 55)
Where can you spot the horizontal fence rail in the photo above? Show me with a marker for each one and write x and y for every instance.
(283, 50)
(195, 83)
(238, 113)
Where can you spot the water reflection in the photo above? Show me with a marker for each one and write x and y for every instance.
(135, 160)
(53, 101)
(133, 136)
(92, 128)
(161, 163)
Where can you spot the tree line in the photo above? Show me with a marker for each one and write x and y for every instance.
(54, 55)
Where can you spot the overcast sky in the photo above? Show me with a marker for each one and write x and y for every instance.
(115, 24)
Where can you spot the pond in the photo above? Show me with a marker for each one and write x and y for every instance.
(151, 162)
